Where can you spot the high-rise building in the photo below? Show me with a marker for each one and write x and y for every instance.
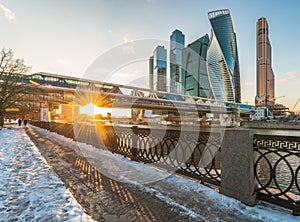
(160, 69)
(176, 46)
(222, 57)
(194, 66)
(151, 67)
(236, 76)
(265, 89)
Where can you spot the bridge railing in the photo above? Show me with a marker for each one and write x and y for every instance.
(193, 153)
(277, 170)
(244, 165)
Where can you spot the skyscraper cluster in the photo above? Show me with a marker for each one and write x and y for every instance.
(207, 67)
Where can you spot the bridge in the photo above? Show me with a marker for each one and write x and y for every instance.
(52, 90)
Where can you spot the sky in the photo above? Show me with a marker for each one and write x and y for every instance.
(67, 36)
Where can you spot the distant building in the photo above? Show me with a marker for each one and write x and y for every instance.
(176, 46)
(194, 67)
(265, 89)
(151, 67)
(222, 57)
(160, 69)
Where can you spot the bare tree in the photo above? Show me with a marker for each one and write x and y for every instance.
(13, 86)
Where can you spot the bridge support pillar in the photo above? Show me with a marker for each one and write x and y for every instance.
(237, 156)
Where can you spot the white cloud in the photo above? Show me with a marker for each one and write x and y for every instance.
(289, 76)
(126, 38)
(8, 13)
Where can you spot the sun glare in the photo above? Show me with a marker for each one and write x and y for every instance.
(91, 110)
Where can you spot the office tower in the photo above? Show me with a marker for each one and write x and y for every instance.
(264, 72)
(236, 76)
(160, 69)
(151, 73)
(176, 46)
(222, 56)
(194, 66)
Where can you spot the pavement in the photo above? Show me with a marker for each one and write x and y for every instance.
(102, 198)
(106, 199)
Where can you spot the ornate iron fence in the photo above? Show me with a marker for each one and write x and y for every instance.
(277, 170)
(193, 153)
(197, 154)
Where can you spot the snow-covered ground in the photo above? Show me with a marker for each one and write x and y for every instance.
(29, 190)
(177, 191)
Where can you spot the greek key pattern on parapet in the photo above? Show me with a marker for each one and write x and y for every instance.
(279, 142)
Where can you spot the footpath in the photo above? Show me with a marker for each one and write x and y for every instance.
(111, 188)
(29, 189)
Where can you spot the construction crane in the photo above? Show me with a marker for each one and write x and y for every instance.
(273, 99)
(296, 104)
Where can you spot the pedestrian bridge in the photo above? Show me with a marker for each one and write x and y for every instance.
(58, 89)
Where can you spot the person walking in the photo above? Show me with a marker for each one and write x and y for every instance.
(20, 122)
(25, 122)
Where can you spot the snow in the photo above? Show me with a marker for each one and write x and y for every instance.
(28, 181)
(29, 190)
(177, 191)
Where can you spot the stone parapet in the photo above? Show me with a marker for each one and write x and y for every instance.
(237, 157)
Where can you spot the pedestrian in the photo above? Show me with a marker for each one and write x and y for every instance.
(20, 122)
(25, 122)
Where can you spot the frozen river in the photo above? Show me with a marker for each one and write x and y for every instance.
(29, 190)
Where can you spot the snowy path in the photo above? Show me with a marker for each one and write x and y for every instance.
(29, 190)
(199, 202)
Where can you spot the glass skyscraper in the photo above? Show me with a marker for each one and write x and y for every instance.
(176, 46)
(236, 76)
(222, 57)
(265, 89)
(160, 69)
(151, 67)
(194, 66)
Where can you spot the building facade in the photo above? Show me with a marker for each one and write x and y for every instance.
(151, 67)
(265, 83)
(236, 76)
(194, 66)
(177, 40)
(160, 69)
(222, 57)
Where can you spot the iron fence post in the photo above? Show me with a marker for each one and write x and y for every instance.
(134, 147)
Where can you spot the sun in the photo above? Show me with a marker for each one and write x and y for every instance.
(91, 110)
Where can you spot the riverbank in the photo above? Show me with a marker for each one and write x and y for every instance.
(271, 125)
